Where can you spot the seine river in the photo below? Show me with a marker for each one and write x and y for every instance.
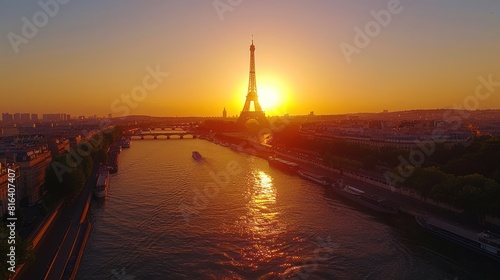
(231, 216)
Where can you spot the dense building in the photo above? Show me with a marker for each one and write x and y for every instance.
(4, 182)
(377, 134)
(58, 145)
(54, 117)
(7, 118)
(25, 117)
(32, 160)
(9, 131)
(17, 117)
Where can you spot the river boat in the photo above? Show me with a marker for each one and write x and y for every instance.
(373, 202)
(101, 187)
(485, 242)
(196, 155)
(126, 143)
(282, 164)
(322, 180)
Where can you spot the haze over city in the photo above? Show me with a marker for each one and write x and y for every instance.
(90, 53)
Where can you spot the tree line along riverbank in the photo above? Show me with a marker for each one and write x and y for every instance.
(65, 178)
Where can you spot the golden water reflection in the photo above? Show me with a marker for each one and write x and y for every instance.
(261, 224)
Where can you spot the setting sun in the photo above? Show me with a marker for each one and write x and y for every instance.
(272, 93)
(269, 97)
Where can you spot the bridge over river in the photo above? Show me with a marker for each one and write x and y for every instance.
(172, 134)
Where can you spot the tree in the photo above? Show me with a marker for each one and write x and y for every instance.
(72, 180)
(445, 191)
(491, 197)
(369, 162)
(87, 164)
(459, 166)
(496, 175)
(389, 156)
(475, 194)
(102, 156)
(423, 180)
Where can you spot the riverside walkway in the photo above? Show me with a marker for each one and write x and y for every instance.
(53, 253)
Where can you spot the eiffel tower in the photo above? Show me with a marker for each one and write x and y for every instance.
(252, 96)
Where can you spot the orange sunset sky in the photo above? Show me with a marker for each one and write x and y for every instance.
(89, 54)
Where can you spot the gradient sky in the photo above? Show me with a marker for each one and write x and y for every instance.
(92, 52)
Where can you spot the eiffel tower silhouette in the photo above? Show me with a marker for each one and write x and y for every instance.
(252, 96)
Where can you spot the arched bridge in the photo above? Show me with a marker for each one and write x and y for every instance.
(166, 128)
(162, 135)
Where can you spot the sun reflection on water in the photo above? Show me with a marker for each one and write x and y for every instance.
(261, 224)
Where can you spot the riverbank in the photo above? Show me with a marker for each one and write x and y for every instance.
(407, 201)
(60, 241)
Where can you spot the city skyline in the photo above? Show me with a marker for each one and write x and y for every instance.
(233, 139)
(326, 57)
